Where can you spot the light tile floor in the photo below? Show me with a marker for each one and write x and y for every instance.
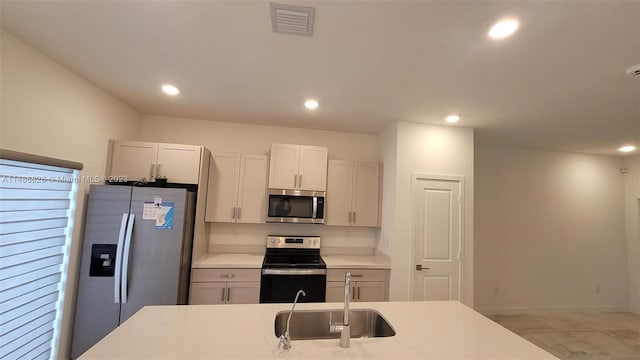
(579, 335)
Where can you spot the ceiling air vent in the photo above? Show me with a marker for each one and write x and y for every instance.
(634, 71)
(290, 19)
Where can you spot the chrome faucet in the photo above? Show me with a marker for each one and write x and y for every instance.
(285, 340)
(345, 327)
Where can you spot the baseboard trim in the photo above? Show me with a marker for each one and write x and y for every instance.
(534, 309)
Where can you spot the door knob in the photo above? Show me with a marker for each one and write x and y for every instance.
(419, 267)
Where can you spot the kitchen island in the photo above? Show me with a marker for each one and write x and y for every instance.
(424, 330)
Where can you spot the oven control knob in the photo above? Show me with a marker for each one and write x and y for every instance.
(315, 241)
(273, 241)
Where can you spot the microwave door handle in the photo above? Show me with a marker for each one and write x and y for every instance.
(315, 208)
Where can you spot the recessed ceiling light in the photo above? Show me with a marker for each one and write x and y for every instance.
(503, 28)
(170, 89)
(626, 148)
(311, 104)
(452, 118)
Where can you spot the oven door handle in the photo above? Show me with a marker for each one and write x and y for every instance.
(294, 271)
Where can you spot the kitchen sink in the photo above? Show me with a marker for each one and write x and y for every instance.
(314, 324)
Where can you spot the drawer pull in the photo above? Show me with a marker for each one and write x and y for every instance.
(228, 276)
(356, 275)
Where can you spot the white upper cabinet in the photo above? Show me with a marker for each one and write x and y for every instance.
(312, 169)
(366, 192)
(237, 188)
(283, 166)
(299, 167)
(133, 159)
(139, 161)
(339, 193)
(352, 193)
(224, 177)
(179, 163)
(252, 198)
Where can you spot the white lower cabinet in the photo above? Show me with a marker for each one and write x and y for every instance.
(366, 285)
(225, 286)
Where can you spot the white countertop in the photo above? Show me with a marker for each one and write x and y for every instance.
(228, 261)
(356, 262)
(254, 261)
(424, 330)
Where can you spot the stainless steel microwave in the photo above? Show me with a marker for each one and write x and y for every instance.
(295, 206)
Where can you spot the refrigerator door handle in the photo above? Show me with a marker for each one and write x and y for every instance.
(116, 283)
(125, 260)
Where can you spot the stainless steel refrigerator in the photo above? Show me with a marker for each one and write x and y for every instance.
(136, 252)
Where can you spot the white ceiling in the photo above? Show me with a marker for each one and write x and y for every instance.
(558, 83)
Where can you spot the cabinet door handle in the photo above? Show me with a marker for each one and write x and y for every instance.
(238, 213)
(223, 291)
(300, 181)
(153, 167)
(354, 217)
(228, 294)
(419, 267)
(157, 170)
(353, 293)
(233, 213)
(295, 181)
(357, 275)
(358, 292)
(349, 217)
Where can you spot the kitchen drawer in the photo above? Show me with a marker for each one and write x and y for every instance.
(207, 275)
(356, 274)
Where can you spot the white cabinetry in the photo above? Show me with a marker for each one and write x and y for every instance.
(300, 167)
(225, 286)
(139, 161)
(366, 285)
(237, 188)
(352, 193)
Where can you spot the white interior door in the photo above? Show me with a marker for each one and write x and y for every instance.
(436, 237)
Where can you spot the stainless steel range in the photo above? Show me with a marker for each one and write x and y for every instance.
(293, 263)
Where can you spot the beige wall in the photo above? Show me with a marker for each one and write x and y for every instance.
(549, 230)
(423, 149)
(388, 157)
(48, 110)
(257, 139)
(632, 220)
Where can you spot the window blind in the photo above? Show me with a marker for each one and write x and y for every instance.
(37, 204)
